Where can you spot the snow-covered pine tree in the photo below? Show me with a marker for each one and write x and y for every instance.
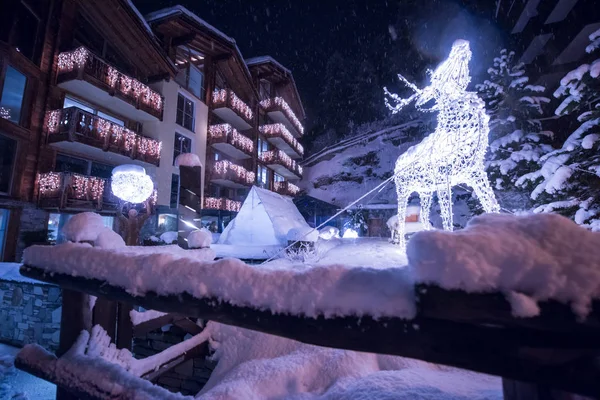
(517, 140)
(568, 180)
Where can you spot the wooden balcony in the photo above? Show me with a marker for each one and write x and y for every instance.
(228, 140)
(226, 173)
(75, 192)
(222, 203)
(286, 188)
(281, 163)
(231, 109)
(88, 76)
(72, 127)
(280, 137)
(279, 111)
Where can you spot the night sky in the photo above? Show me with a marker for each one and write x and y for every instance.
(395, 36)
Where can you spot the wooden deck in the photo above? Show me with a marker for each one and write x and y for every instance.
(470, 331)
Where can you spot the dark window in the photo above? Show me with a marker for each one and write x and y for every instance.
(8, 151)
(263, 146)
(196, 82)
(182, 145)
(66, 163)
(101, 170)
(20, 27)
(11, 102)
(262, 177)
(174, 191)
(265, 90)
(185, 112)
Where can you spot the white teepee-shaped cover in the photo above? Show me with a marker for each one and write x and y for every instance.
(264, 219)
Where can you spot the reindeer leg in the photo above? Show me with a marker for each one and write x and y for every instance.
(483, 191)
(425, 209)
(445, 198)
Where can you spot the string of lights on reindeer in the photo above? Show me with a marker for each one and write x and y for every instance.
(454, 153)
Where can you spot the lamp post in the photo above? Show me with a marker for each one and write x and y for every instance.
(131, 184)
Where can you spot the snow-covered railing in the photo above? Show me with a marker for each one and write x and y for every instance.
(81, 62)
(225, 133)
(279, 157)
(227, 98)
(280, 131)
(74, 124)
(222, 203)
(227, 170)
(279, 104)
(286, 188)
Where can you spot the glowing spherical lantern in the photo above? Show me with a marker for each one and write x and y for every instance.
(131, 183)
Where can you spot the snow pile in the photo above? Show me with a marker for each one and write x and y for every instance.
(169, 237)
(139, 317)
(254, 365)
(109, 239)
(541, 257)
(304, 234)
(199, 239)
(264, 219)
(188, 160)
(84, 226)
(329, 232)
(322, 290)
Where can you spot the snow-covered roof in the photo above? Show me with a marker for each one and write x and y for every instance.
(264, 60)
(179, 9)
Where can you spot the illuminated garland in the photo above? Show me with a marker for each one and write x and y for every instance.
(76, 59)
(149, 147)
(227, 133)
(69, 61)
(224, 168)
(279, 130)
(49, 183)
(130, 140)
(222, 203)
(286, 187)
(454, 153)
(87, 187)
(53, 121)
(220, 98)
(4, 113)
(281, 103)
(279, 157)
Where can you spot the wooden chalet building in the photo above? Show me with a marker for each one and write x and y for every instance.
(95, 85)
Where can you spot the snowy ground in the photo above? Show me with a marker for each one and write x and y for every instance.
(19, 385)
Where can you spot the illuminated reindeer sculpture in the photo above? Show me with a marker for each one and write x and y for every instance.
(451, 155)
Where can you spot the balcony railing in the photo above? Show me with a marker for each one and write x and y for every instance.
(83, 64)
(222, 203)
(281, 163)
(277, 108)
(230, 108)
(75, 125)
(232, 175)
(228, 140)
(286, 188)
(278, 135)
(64, 190)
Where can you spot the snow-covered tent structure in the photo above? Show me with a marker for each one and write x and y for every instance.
(264, 219)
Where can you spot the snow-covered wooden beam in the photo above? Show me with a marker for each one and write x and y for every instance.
(471, 331)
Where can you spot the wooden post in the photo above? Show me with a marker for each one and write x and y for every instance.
(105, 315)
(76, 316)
(124, 338)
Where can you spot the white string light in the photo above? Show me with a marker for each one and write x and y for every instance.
(130, 183)
(279, 130)
(269, 104)
(454, 153)
(226, 98)
(4, 113)
(228, 170)
(222, 203)
(49, 184)
(71, 60)
(279, 157)
(227, 133)
(286, 187)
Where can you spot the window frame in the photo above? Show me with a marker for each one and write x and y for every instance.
(23, 111)
(175, 148)
(38, 43)
(89, 166)
(171, 191)
(183, 112)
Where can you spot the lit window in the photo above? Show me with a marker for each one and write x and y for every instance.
(278, 178)
(263, 146)
(8, 151)
(12, 95)
(262, 176)
(185, 112)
